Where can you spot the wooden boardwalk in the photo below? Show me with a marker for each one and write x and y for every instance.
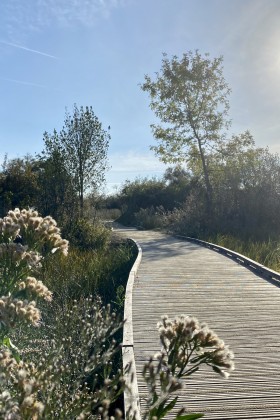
(178, 277)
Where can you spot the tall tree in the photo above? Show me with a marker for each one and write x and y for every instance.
(57, 193)
(190, 97)
(83, 144)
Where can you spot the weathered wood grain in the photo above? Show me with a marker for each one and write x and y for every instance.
(178, 277)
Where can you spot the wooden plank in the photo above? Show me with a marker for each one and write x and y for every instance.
(178, 277)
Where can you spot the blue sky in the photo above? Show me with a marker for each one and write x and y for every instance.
(54, 53)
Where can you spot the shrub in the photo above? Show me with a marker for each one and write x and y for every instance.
(151, 218)
(88, 272)
(68, 373)
(26, 240)
(87, 236)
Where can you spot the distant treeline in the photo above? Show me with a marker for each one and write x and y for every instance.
(55, 182)
(245, 189)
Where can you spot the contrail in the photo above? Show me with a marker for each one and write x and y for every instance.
(21, 82)
(28, 49)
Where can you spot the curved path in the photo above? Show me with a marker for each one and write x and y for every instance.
(178, 277)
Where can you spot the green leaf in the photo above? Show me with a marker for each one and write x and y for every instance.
(192, 416)
(164, 410)
(216, 369)
(6, 341)
(191, 371)
(155, 398)
(197, 358)
(14, 350)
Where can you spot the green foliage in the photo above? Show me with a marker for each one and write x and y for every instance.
(141, 193)
(41, 183)
(144, 198)
(108, 214)
(57, 194)
(189, 96)
(245, 196)
(83, 273)
(18, 183)
(88, 236)
(82, 144)
(120, 297)
(264, 252)
(150, 218)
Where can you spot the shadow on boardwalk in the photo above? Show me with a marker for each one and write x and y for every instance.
(178, 277)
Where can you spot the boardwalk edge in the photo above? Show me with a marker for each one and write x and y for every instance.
(131, 395)
(258, 268)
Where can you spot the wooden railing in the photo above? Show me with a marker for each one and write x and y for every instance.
(258, 268)
(131, 395)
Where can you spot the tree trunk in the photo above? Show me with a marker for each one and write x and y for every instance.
(206, 178)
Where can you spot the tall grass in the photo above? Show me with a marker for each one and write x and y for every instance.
(90, 272)
(264, 252)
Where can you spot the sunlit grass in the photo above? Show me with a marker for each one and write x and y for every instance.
(89, 272)
(264, 252)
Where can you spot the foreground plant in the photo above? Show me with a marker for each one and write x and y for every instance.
(65, 376)
(67, 368)
(25, 240)
(186, 345)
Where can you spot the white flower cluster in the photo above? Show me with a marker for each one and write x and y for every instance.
(187, 336)
(36, 287)
(152, 371)
(15, 310)
(26, 224)
(19, 253)
(8, 229)
(25, 238)
(50, 381)
(23, 378)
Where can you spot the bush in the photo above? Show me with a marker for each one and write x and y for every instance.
(150, 218)
(69, 373)
(66, 370)
(87, 236)
(90, 272)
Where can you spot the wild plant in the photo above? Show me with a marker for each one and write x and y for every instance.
(66, 375)
(69, 370)
(25, 240)
(186, 345)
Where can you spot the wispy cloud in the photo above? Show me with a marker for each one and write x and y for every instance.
(21, 47)
(20, 17)
(22, 82)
